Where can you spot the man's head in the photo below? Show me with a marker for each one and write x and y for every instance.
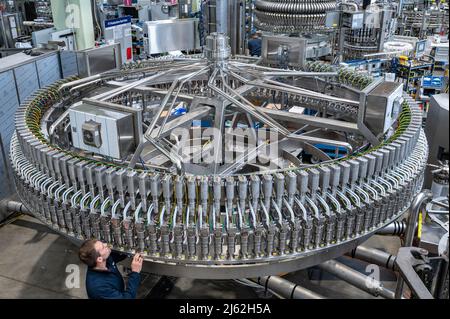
(256, 35)
(93, 252)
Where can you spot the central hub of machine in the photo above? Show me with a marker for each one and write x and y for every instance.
(217, 49)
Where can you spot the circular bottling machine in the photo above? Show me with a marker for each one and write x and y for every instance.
(106, 157)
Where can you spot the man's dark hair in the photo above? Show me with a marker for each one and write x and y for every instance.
(88, 254)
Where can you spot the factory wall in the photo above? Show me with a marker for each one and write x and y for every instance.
(17, 83)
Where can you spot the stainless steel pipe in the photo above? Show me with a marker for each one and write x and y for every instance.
(374, 256)
(355, 278)
(17, 207)
(421, 199)
(286, 288)
(222, 16)
(396, 228)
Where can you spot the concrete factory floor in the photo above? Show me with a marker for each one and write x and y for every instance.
(35, 262)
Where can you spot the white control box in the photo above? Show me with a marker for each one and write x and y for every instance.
(383, 106)
(102, 130)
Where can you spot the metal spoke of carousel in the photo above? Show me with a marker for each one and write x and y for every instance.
(106, 157)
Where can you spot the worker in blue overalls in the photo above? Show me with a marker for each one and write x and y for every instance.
(254, 44)
(103, 279)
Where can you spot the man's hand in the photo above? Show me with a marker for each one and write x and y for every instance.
(136, 263)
